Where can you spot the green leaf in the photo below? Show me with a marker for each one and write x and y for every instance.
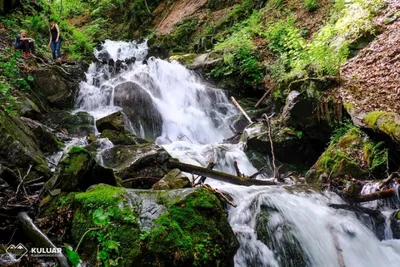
(111, 244)
(30, 78)
(100, 218)
(72, 255)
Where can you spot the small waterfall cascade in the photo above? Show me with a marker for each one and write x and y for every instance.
(276, 226)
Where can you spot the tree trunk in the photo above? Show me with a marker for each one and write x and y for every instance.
(220, 176)
(375, 196)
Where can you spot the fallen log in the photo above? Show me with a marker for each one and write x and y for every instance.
(375, 196)
(210, 166)
(38, 237)
(241, 109)
(389, 179)
(220, 176)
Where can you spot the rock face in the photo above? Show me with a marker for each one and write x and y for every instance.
(136, 161)
(354, 155)
(186, 227)
(78, 170)
(59, 85)
(139, 107)
(174, 179)
(19, 147)
(386, 123)
(287, 143)
(122, 138)
(114, 121)
(76, 125)
(48, 142)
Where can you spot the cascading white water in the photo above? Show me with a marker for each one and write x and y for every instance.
(275, 226)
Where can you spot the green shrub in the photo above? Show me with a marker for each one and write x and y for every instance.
(311, 5)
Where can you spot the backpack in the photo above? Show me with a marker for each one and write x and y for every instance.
(17, 41)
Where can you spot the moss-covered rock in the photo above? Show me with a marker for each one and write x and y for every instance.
(184, 228)
(142, 160)
(354, 155)
(174, 179)
(114, 121)
(77, 125)
(122, 138)
(387, 123)
(19, 147)
(78, 170)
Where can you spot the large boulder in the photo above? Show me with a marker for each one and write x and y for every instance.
(289, 147)
(76, 125)
(78, 170)
(174, 179)
(353, 155)
(19, 147)
(138, 105)
(141, 160)
(58, 84)
(386, 123)
(186, 227)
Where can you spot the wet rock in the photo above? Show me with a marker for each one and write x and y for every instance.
(148, 82)
(103, 56)
(58, 84)
(395, 224)
(165, 228)
(122, 138)
(279, 237)
(29, 109)
(353, 155)
(76, 125)
(78, 170)
(114, 121)
(204, 62)
(48, 142)
(131, 60)
(19, 148)
(174, 179)
(288, 145)
(138, 105)
(137, 161)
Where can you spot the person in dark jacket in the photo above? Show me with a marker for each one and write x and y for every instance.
(55, 41)
(27, 44)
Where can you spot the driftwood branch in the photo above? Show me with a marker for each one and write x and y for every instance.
(267, 119)
(220, 176)
(241, 109)
(38, 237)
(262, 98)
(220, 194)
(238, 173)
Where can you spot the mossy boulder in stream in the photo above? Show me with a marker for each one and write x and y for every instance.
(114, 121)
(141, 160)
(19, 147)
(354, 155)
(78, 170)
(127, 227)
(174, 179)
(122, 138)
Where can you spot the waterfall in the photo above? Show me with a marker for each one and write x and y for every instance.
(276, 226)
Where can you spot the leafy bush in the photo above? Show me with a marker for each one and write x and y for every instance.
(311, 5)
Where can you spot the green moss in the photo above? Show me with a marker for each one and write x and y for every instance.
(349, 106)
(386, 122)
(187, 230)
(101, 195)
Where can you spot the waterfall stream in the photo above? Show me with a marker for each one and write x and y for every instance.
(276, 226)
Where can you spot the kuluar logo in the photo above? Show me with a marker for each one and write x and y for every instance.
(16, 252)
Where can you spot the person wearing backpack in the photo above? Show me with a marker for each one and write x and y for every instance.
(25, 43)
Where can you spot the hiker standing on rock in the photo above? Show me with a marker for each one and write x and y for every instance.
(55, 41)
